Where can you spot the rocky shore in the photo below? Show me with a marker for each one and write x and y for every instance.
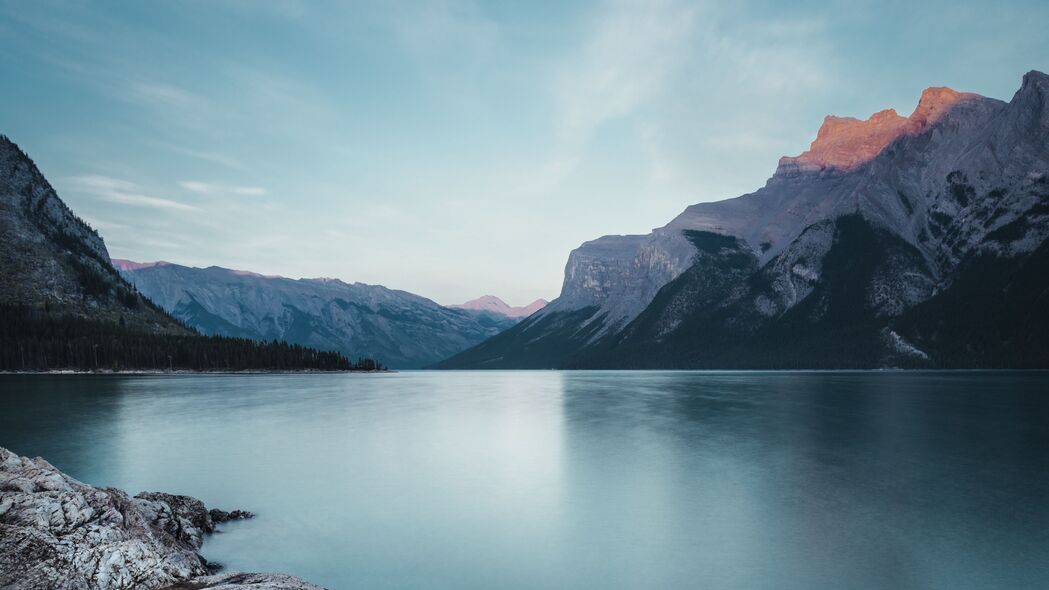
(59, 533)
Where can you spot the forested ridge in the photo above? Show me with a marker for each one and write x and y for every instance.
(34, 339)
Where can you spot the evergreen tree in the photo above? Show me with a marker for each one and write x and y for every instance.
(40, 339)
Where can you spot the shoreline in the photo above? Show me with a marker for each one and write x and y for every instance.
(193, 372)
(59, 532)
(176, 372)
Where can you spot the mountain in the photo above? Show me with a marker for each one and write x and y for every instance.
(64, 306)
(893, 241)
(492, 304)
(404, 330)
(50, 257)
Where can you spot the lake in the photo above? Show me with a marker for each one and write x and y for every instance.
(579, 479)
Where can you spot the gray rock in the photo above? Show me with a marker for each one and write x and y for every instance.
(241, 581)
(59, 533)
(218, 516)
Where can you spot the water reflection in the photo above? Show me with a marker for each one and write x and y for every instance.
(798, 480)
(579, 480)
(70, 420)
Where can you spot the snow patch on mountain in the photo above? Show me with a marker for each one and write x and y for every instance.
(897, 344)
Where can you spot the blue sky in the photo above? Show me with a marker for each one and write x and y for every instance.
(454, 149)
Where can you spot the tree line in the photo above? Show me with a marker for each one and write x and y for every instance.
(33, 339)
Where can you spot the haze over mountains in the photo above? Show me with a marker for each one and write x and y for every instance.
(403, 329)
(895, 241)
(51, 260)
(492, 304)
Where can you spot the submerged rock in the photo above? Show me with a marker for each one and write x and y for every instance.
(218, 516)
(240, 581)
(56, 532)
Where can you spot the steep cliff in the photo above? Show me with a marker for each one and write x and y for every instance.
(962, 177)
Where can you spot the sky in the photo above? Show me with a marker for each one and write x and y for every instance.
(454, 149)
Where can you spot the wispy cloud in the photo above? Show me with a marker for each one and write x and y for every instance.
(631, 51)
(164, 95)
(440, 31)
(115, 190)
(207, 156)
(707, 93)
(206, 188)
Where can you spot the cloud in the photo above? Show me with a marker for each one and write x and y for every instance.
(444, 32)
(627, 60)
(213, 157)
(631, 51)
(165, 95)
(253, 191)
(123, 192)
(197, 187)
(205, 188)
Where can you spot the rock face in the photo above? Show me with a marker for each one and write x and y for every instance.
(404, 330)
(963, 180)
(56, 532)
(50, 257)
(843, 143)
(494, 305)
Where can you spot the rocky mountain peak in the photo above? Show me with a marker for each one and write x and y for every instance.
(934, 103)
(843, 143)
(1035, 79)
(1034, 94)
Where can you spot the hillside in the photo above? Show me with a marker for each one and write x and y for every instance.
(51, 258)
(404, 330)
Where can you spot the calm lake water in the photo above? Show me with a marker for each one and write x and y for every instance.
(579, 479)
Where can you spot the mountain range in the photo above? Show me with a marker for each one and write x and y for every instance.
(404, 330)
(53, 263)
(894, 241)
(64, 306)
(914, 241)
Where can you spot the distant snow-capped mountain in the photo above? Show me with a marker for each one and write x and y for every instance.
(402, 329)
(492, 304)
